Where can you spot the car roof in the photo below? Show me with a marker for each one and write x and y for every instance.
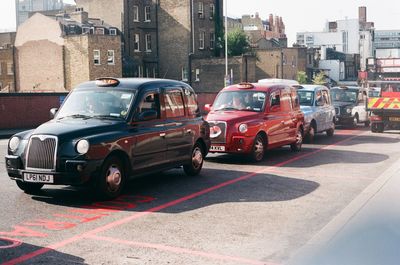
(310, 87)
(261, 87)
(279, 81)
(133, 83)
(352, 88)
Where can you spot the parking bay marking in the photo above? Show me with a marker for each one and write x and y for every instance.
(135, 216)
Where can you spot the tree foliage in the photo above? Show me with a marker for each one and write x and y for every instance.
(319, 79)
(302, 77)
(238, 43)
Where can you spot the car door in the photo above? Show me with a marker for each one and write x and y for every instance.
(320, 104)
(361, 107)
(276, 119)
(178, 134)
(328, 110)
(148, 128)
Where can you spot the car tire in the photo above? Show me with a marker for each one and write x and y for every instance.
(258, 149)
(366, 124)
(196, 161)
(311, 133)
(29, 188)
(111, 181)
(355, 121)
(330, 132)
(296, 146)
(377, 127)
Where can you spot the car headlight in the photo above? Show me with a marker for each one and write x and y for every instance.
(13, 143)
(348, 110)
(82, 146)
(243, 128)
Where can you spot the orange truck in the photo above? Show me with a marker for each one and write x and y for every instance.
(384, 105)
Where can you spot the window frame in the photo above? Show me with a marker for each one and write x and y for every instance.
(147, 14)
(212, 40)
(148, 42)
(136, 13)
(113, 32)
(212, 11)
(136, 40)
(113, 57)
(202, 36)
(99, 57)
(200, 10)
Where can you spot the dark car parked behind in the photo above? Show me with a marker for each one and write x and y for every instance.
(110, 130)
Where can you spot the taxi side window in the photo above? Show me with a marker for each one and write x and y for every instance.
(150, 102)
(275, 99)
(320, 100)
(191, 101)
(327, 98)
(174, 106)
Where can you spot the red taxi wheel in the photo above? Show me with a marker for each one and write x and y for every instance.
(296, 146)
(196, 161)
(258, 149)
(111, 180)
(29, 187)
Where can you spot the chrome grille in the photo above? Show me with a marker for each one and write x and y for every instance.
(42, 152)
(220, 138)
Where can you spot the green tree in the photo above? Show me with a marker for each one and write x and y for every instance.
(319, 79)
(302, 77)
(238, 43)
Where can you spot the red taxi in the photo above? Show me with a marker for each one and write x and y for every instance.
(249, 118)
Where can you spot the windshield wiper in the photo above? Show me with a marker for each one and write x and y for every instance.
(107, 117)
(227, 108)
(77, 116)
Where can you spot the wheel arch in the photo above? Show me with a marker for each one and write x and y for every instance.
(124, 158)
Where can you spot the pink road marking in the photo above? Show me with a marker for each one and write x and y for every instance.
(179, 250)
(13, 242)
(164, 206)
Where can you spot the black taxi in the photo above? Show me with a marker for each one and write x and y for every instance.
(110, 130)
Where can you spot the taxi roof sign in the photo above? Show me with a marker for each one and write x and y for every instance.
(107, 82)
(245, 85)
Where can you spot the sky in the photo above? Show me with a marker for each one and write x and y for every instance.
(298, 16)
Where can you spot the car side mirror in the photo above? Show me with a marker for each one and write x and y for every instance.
(148, 115)
(53, 112)
(207, 108)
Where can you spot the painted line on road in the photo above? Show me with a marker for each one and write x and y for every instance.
(180, 250)
(135, 216)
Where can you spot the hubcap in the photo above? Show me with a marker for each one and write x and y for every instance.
(259, 148)
(197, 157)
(299, 138)
(113, 178)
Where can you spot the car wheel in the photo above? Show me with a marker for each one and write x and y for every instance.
(258, 149)
(377, 127)
(111, 181)
(196, 161)
(296, 146)
(366, 124)
(355, 121)
(29, 187)
(311, 133)
(331, 131)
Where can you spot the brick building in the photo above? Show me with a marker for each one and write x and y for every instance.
(56, 53)
(281, 63)
(137, 21)
(7, 71)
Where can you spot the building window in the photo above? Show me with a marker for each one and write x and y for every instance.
(99, 31)
(201, 10)
(135, 13)
(92, 30)
(113, 32)
(10, 70)
(197, 75)
(140, 71)
(212, 11)
(72, 29)
(96, 57)
(147, 17)
(85, 30)
(184, 74)
(201, 40)
(212, 40)
(136, 42)
(148, 43)
(110, 57)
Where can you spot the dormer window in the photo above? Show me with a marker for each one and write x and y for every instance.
(113, 32)
(85, 30)
(99, 31)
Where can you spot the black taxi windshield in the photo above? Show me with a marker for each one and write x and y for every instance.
(110, 103)
(240, 100)
(343, 95)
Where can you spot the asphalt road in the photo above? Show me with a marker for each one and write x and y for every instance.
(235, 212)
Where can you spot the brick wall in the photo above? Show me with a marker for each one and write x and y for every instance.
(27, 110)
(7, 80)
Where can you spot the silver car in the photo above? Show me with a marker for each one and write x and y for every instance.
(319, 113)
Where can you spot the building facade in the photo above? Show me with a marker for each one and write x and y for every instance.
(387, 44)
(75, 52)
(7, 69)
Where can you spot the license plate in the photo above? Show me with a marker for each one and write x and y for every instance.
(217, 148)
(38, 178)
(394, 118)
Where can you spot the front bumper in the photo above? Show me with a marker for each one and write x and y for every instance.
(236, 145)
(75, 172)
(344, 119)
